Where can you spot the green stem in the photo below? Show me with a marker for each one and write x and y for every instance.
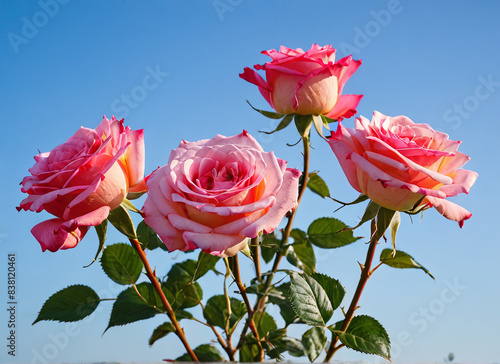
(255, 246)
(156, 284)
(288, 228)
(235, 267)
(365, 275)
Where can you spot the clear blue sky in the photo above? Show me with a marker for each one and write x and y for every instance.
(65, 66)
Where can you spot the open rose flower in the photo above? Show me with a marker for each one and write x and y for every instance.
(403, 166)
(306, 83)
(82, 180)
(215, 194)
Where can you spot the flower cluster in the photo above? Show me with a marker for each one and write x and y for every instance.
(226, 194)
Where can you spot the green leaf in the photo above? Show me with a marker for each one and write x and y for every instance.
(401, 260)
(317, 185)
(282, 125)
(309, 300)
(303, 124)
(264, 323)
(298, 235)
(329, 233)
(206, 262)
(101, 234)
(188, 271)
(121, 263)
(268, 246)
(130, 307)
(283, 301)
(249, 352)
(301, 255)
(269, 114)
(188, 296)
(148, 237)
(204, 353)
(365, 334)
(161, 331)
(383, 220)
(121, 220)
(70, 304)
(216, 312)
(314, 341)
(334, 290)
(280, 343)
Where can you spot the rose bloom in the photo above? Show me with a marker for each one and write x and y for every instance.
(215, 194)
(82, 180)
(403, 166)
(306, 83)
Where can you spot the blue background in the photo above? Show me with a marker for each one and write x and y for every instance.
(66, 63)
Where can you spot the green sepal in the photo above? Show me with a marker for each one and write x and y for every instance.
(129, 206)
(318, 125)
(121, 220)
(101, 235)
(393, 227)
(359, 199)
(303, 124)
(269, 114)
(282, 125)
(382, 221)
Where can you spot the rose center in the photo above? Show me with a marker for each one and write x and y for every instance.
(219, 179)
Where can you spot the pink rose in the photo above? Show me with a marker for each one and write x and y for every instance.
(215, 194)
(306, 83)
(403, 166)
(82, 180)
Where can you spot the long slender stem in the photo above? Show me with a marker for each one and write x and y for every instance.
(250, 311)
(156, 284)
(365, 275)
(254, 244)
(288, 227)
(259, 305)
